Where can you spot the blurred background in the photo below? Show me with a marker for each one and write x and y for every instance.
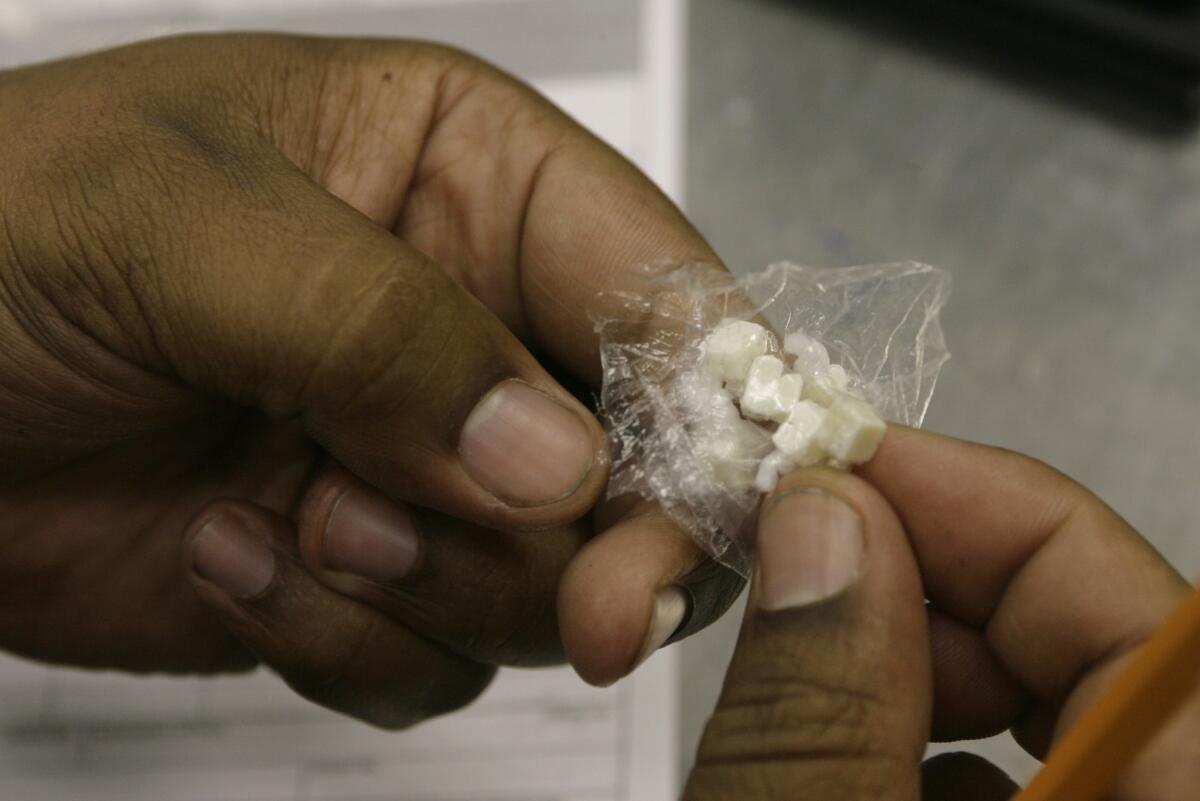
(1044, 151)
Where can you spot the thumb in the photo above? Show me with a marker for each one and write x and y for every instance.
(829, 691)
(395, 369)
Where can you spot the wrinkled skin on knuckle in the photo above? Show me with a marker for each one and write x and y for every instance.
(791, 719)
(826, 727)
(818, 778)
(358, 664)
(504, 611)
(519, 626)
(407, 349)
(115, 209)
(798, 740)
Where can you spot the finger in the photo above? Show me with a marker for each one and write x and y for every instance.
(528, 209)
(399, 372)
(1061, 588)
(964, 777)
(485, 594)
(564, 219)
(828, 692)
(637, 586)
(288, 300)
(1169, 769)
(974, 695)
(330, 649)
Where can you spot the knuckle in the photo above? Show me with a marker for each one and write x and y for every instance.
(520, 626)
(403, 346)
(362, 665)
(817, 779)
(391, 327)
(496, 604)
(457, 690)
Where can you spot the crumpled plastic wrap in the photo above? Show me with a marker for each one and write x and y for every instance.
(880, 322)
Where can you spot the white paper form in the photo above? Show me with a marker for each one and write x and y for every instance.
(542, 735)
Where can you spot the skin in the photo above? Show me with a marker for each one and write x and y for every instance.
(995, 594)
(226, 266)
(240, 275)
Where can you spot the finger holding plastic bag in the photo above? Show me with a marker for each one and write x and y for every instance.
(678, 351)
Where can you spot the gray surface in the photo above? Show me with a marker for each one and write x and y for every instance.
(1073, 243)
(501, 32)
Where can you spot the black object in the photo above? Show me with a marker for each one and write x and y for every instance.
(1145, 53)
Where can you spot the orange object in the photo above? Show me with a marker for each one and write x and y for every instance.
(1102, 744)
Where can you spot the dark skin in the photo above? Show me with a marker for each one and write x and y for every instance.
(241, 275)
(994, 594)
(244, 278)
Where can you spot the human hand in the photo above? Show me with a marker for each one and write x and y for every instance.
(1037, 594)
(280, 319)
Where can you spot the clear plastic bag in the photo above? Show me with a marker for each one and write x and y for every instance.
(880, 322)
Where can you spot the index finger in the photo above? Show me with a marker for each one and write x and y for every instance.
(537, 218)
(1062, 589)
(1059, 583)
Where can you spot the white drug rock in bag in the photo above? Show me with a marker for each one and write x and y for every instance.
(715, 384)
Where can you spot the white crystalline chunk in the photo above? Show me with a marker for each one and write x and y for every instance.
(768, 394)
(732, 346)
(838, 377)
(797, 437)
(732, 451)
(819, 389)
(811, 357)
(790, 387)
(700, 396)
(770, 469)
(851, 430)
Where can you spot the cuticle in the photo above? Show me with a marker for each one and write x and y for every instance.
(782, 495)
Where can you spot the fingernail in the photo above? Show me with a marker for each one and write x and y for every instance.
(524, 447)
(369, 536)
(810, 548)
(227, 555)
(670, 605)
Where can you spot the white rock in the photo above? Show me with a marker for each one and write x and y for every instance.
(838, 377)
(851, 430)
(768, 394)
(770, 469)
(797, 437)
(699, 396)
(819, 389)
(790, 387)
(733, 452)
(733, 346)
(812, 359)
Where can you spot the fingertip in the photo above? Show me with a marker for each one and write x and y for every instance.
(623, 597)
(226, 552)
(603, 625)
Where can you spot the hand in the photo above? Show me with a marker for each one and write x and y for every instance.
(280, 324)
(1037, 595)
